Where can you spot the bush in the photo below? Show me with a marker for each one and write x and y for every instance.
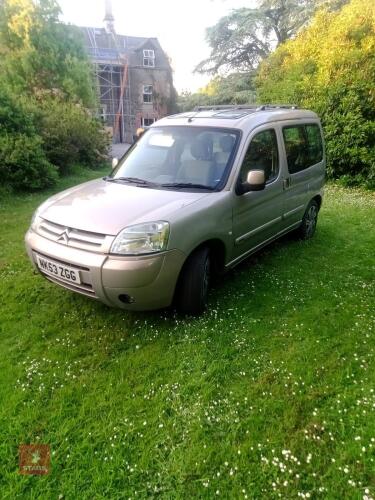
(23, 164)
(349, 134)
(13, 117)
(71, 135)
(330, 68)
(46, 88)
(40, 132)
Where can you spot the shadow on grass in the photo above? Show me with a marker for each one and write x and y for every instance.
(278, 256)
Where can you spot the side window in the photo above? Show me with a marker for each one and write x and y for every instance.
(262, 153)
(295, 147)
(303, 146)
(314, 144)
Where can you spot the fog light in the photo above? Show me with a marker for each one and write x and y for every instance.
(126, 299)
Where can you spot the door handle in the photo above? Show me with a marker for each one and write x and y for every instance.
(286, 183)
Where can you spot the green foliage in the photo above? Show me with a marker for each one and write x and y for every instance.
(330, 68)
(246, 36)
(350, 134)
(236, 88)
(23, 164)
(13, 117)
(46, 92)
(42, 53)
(70, 135)
(237, 42)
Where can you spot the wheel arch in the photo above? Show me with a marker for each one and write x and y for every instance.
(318, 198)
(217, 249)
(217, 254)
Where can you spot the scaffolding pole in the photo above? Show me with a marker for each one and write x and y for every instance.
(113, 80)
(120, 110)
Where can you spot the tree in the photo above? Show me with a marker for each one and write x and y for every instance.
(236, 88)
(39, 52)
(47, 97)
(330, 68)
(245, 37)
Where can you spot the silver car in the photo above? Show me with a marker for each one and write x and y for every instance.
(197, 194)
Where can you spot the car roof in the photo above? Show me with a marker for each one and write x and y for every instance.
(243, 117)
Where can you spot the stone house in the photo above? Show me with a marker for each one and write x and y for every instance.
(134, 79)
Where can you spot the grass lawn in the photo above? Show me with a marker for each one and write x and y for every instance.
(269, 394)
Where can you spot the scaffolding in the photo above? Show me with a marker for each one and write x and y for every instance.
(113, 82)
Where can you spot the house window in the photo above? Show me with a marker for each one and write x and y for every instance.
(146, 122)
(147, 93)
(149, 58)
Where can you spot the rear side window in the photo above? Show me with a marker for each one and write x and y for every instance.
(303, 146)
(314, 144)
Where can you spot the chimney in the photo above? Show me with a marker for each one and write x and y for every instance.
(109, 20)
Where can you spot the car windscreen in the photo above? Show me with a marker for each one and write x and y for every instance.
(179, 157)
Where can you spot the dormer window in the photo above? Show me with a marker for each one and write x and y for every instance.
(149, 58)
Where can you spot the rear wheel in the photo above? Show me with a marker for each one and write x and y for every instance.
(309, 221)
(193, 284)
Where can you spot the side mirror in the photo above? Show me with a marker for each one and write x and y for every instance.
(255, 181)
(114, 163)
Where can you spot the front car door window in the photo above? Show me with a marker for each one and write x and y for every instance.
(262, 153)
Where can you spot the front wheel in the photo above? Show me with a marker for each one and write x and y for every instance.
(192, 287)
(309, 221)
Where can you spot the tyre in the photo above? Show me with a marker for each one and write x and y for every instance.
(193, 284)
(310, 218)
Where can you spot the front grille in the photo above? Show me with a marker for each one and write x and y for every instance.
(71, 237)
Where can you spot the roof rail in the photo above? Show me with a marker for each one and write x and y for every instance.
(263, 107)
(225, 106)
(256, 107)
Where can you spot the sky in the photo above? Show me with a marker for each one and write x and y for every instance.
(179, 26)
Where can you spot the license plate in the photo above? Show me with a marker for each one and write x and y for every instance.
(61, 271)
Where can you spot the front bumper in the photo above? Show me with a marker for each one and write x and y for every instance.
(148, 281)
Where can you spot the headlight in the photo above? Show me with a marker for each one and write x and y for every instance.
(143, 238)
(35, 221)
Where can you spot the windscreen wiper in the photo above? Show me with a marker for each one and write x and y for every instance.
(187, 185)
(131, 180)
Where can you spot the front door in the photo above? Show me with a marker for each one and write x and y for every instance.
(257, 215)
